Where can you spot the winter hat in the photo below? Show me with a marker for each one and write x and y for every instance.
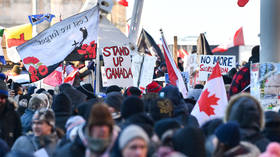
(210, 126)
(113, 88)
(2, 76)
(132, 91)
(16, 86)
(130, 133)
(23, 100)
(153, 87)
(51, 92)
(62, 103)
(142, 120)
(31, 90)
(64, 86)
(189, 141)
(100, 115)
(272, 150)
(46, 115)
(131, 105)
(3, 88)
(198, 86)
(272, 119)
(41, 90)
(45, 99)
(164, 125)
(194, 94)
(114, 99)
(228, 134)
(161, 108)
(71, 125)
(87, 90)
(35, 103)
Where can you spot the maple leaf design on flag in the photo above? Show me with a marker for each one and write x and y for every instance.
(205, 103)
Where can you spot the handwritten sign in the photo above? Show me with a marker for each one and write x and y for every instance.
(207, 63)
(117, 66)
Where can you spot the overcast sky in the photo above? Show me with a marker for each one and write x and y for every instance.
(187, 18)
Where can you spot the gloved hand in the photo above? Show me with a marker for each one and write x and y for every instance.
(91, 65)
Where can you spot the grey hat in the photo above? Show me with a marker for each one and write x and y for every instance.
(131, 132)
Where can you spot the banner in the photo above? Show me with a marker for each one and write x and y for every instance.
(114, 46)
(71, 39)
(207, 62)
(16, 36)
(2, 59)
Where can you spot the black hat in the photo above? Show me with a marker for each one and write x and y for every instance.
(113, 88)
(62, 103)
(132, 91)
(131, 105)
(114, 99)
(228, 134)
(87, 90)
(165, 124)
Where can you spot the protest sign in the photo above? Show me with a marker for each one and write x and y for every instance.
(114, 46)
(265, 84)
(143, 70)
(71, 39)
(207, 63)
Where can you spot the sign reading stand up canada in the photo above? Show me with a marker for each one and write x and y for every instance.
(207, 63)
(114, 46)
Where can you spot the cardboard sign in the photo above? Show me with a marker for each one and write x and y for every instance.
(117, 66)
(143, 70)
(207, 63)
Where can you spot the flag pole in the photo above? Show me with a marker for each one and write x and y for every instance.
(34, 12)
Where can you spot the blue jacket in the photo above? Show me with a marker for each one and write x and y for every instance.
(26, 120)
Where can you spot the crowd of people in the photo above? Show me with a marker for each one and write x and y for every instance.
(72, 122)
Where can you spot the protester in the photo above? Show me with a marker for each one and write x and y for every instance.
(272, 126)
(241, 79)
(130, 106)
(114, 101)
(133, 142)
(44, 134)
(4, 148)
(113, 88)
(229, 143)
(132, 91)
(62, 107)
(247, 112)
(34, 104)
(190, 142)
(10, 126)
(94, 139)
(23, 103)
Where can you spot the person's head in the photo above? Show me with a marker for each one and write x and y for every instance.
(255, 58)
(35, 103)
(113, 88)
(161, 108)
(87, 89)
(131, 105)
(3, 93)
(228, 136)
(17, 88)
(245, 110)
(72, 125)
(99, 129)
(23, 100)
(133, 142)
(153, 87)
(114, 101)
(16, 69)
(132, 91)
(62, 104)
(100, 123)
(43, 122)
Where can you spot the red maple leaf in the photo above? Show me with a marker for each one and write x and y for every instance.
(205, 102)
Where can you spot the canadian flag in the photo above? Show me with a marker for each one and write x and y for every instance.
(212, 102)
(174, 74)
(237, 40)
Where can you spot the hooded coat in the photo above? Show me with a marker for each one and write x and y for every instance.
(247, 111)
(10, 126)
(180, 109)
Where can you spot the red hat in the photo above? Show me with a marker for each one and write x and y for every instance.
(153, 87)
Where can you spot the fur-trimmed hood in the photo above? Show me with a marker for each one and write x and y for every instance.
(246, 110)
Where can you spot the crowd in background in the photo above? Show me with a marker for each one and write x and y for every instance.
(72, 121)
